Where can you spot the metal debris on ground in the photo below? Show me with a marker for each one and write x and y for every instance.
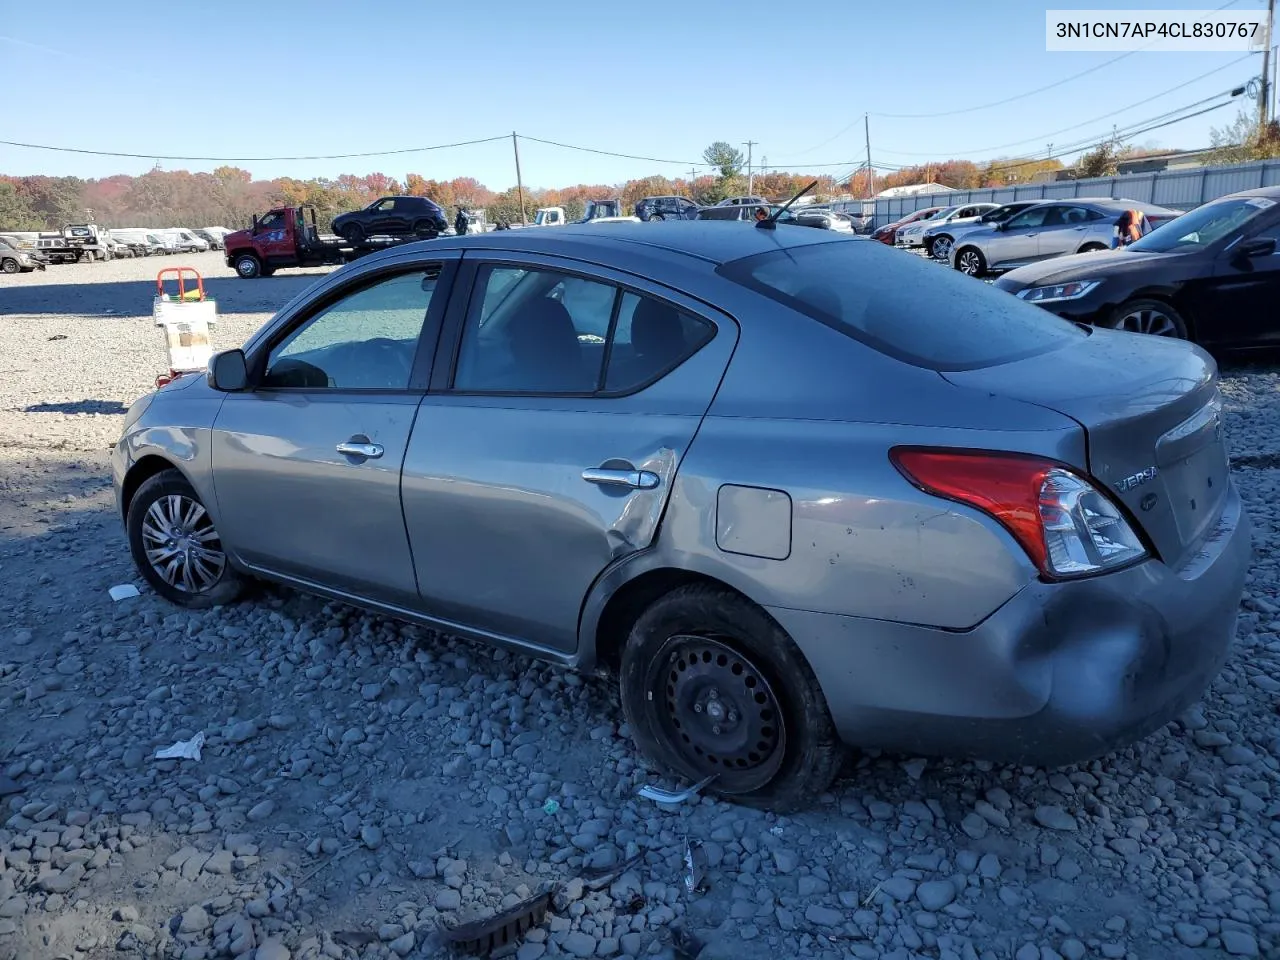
(600, 877)
(483, 936)
(551, 806)
(658, 795)
(183, 749)
(123, 592)
(695, 866)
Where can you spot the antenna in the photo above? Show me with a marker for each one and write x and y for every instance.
(771, 223)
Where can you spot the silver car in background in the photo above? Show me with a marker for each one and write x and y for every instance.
(1054, 228)
(793, 490)
(966, 213)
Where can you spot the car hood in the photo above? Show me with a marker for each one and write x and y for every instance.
(1101, 263)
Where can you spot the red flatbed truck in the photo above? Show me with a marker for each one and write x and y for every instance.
(288, 237)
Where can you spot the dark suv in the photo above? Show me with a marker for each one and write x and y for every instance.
(394, 216)
(666, 208)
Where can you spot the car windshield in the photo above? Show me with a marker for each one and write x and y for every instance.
(938, 215)
(1203, 226)
(937, 319)
(7, 244)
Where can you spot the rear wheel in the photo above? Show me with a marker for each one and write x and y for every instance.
(1154, 317)
(10, 265)
(248, 266)
(425, 229)
(940, 247)
(711, 685)
(175, 545)
(353, 233)
(971, 262)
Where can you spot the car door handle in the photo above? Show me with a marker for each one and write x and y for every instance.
(366, 451)
(636, 479)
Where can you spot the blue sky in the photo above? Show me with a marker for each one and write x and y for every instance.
(660, 79)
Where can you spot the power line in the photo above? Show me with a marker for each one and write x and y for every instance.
(611, 153)
(330, 156)
(1030, 93)
(1077, 126)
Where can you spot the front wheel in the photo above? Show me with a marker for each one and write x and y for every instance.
(971, 262)
(657, 216)
(176, 547)
(1154, 317)
(248, 266)
(353, 233)
(711, 685)
(10, 265)
(1092, 248)
(940, 248)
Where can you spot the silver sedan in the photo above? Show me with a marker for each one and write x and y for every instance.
(793, 490)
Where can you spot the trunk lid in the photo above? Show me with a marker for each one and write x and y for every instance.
(1152, 417)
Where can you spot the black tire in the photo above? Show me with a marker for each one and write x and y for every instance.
(425, 229)
(1092, 248)
(1152, 317)
(268, 271)
(210, 583)
(936, 246)
(970, 261)
(657, 216)
(248, 266)
(10, 265)
(353, 233)
(761, 683)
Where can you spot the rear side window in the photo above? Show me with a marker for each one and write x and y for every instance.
(901, 306)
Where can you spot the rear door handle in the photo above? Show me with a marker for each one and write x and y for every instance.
(636, 479)
(365, 450)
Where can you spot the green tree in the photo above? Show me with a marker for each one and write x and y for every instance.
(1102, 161)
(725, 158)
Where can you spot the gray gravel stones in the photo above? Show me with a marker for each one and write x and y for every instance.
(366, 783)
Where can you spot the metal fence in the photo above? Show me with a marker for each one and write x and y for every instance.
(1180, 189)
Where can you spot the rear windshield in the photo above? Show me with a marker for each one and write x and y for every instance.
(902, 306)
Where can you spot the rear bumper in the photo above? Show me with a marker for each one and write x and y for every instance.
(1060, 674)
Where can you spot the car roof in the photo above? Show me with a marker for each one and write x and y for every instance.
(1272, 192)
(713, 241)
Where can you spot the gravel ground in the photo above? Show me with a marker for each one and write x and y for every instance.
(364, 784)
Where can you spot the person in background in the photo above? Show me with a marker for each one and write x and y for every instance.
(460, 222)
(1131, 226)
(762, 213)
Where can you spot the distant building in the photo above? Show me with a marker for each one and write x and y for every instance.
(1173, 160)
(914, 190)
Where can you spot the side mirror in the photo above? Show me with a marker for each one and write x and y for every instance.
(1258, 247)
(228, 371)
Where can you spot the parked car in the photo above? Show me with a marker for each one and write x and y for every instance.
(821, 218)
(212, 238)
(556, 445)
(889, 232)
(14, 259)
(741, 201)
(938, 240)
(666, 208)
(392, 216)
(1054, 228)
(164, 243)
(1211, 275)
(730, 212)
(912, 235)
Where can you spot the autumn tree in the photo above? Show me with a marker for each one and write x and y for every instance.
(1243, 140)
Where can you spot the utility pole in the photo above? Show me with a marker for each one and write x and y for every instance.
(871, 171)
(1264, 97)
(519, 182)
(751, 177)
(693, 180)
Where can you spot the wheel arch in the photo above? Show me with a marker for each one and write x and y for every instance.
(143, 470)
(1170, 297)
(622, 594)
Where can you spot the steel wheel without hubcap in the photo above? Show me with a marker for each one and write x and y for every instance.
(717, 711)
(181, 544)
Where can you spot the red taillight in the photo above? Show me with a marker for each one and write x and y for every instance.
(1067, 526)
(1006, 486)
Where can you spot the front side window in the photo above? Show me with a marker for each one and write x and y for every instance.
(935, 319)
(367, 340)
(1031, 217)
(384, 206)
(272, 221)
